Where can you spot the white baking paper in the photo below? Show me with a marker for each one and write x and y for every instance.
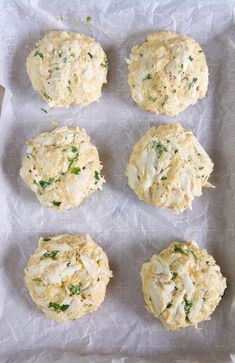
(128, 230)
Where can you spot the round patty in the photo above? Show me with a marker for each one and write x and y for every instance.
(168, 168)
(67, 68)
(167, 73)
(182, 285)
(62, 167)
(67, 276)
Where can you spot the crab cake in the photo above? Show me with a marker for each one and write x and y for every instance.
(167, 73)
(182, 285)
(168, 168)
(67, 276)
(62, 167)
(67, 68)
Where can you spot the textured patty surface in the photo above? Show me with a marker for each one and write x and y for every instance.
(168, 167)
(182, 285)
(67, 68)
(67, 276)
(62, 167)
(167, 73)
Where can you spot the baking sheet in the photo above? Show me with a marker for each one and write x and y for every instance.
(128, 230)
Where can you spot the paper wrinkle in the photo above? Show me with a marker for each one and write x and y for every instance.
(128, 230)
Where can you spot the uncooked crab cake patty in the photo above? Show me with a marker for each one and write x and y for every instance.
(167, 73)
(67, 68)
(62, 167)
(168, 168)
(67, 276)
(182, 285)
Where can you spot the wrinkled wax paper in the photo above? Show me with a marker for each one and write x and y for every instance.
(128, 230)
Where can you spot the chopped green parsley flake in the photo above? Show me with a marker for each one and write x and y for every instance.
(57, 307)
(176, 151)
(65, 60)
(182, 66)
(76, 171)
(174, 275)
(56, 203)
(90, 55)
(153, 99)
(158, 147)
(97, 175)
(193, 82)
(36, 279)
(169, 305)
(174, 90)
(187, 306)
(75, 289)
(190, 58)
(147, 77)
(51, 254)
(179, 249)
(43, 109)
(88, 19)
(163, 178)
(46, 95)
(40, 54)
(105, 64)
(74, 149)
(200, 51)
(46, 239)
(45, 183)
(201, 167)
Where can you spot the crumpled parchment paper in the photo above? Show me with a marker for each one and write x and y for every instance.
(128, 230)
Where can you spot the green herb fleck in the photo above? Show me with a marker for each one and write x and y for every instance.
(147, 77)
(174, 90)
(68, 264)
(169, 305)
(159, 147)
(187, 306)
(200, 51)
(46, 95)
(201, 167)
(75, 289)
(57, 68)
(90, 55)
(69, 86)
(74, 149)
(72, 55)
(57, 204)
(45, 183)
(65, 60)
(105, 64)
(182, 66)
(71, 161)
(51, 254)
(153, 99)
(43, 109)
(177, 248)
(163, 178)
(37, 279)
(150, 299)
(46, 239)
(88, 19)
(97, 175)
(76, 171)
(174, 275)
(57, 307)
(193, 82)
(190, 58)
(40, 54)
